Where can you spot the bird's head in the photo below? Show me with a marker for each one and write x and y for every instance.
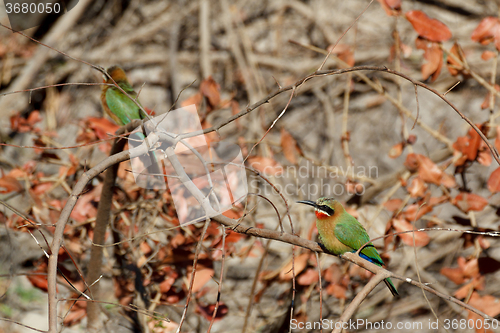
(325, 207)
(117, 73)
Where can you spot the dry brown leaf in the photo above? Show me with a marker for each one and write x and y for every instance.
(431, 29)
(266, 165)
(396, 150)
(400, 225)
(10, 184)
(289, 146)
(286, 273)
(494, 181)
(417, 188)
(434, 56)
(469, 201)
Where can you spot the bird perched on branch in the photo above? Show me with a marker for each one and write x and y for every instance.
(116, 104)
(340, 232)
(123, 110)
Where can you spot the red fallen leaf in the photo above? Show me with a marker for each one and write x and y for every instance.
(343, 52)
(417, 188)
(102, 127)
(393, 204)
(412, 162)
(211, 90)
(453, 274)
(333, 274)
(486, 31)
(39, 281)
(469, 201)
(396, 150)
(430, 29)
(416, 211)
(488, 304)
(487, 55)
(85, 207)
(167, 283)
(336, 291)
(22, 125)
(429, 171)
(266, 165)
(299, 265)
(289, 146)
(233, 237)
(194, 99)
(470, 268)
(454, 66)
(494, 181)
(400, 225)
(391, 7)
(202, 276)
(10, 184)
(177, 240)
(434, 56)
(484, 158)
(486, 101)
(309, 277)
(497, 139)
(207, 311)
(476, 284)
(74, 316)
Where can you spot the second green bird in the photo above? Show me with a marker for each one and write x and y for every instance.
(116, 104)
(340, 232)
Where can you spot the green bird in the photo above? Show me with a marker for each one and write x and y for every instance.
(340, 232)
(123, 110)
(116, 104)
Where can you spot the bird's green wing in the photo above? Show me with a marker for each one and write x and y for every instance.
(122, 106)
(351, 233)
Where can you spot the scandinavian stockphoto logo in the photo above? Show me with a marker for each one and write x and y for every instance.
(25, 14)
(204, 178)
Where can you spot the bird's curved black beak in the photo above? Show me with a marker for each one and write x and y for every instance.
(308, 202)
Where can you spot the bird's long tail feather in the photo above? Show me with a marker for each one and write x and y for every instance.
(391, 287)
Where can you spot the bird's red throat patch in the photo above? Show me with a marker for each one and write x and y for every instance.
(320, 214)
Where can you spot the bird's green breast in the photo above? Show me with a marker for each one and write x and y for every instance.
(326, 230)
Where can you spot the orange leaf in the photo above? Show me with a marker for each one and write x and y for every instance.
(455, 67)
(210, 89)
(396, 150)
(430, 29)
(417, 188)
(412, 162)
(391, 7)
(434, 56)
(202, 276)
(10, 184)
(299, 265)
(453, 274)
(336, 290)
(485, 31)
(429, 171)
(393, 204)
(469, 201)
(487, 55)
(208, 311)
(494, 181)
(486, 101)
(102, 126)
(476, 283)
(266, 165)
(343, 52)
(488, 304)
(309, 277)
(289, 146)
(400, 225)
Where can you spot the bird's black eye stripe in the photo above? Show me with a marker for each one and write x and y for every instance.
(327, 209)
